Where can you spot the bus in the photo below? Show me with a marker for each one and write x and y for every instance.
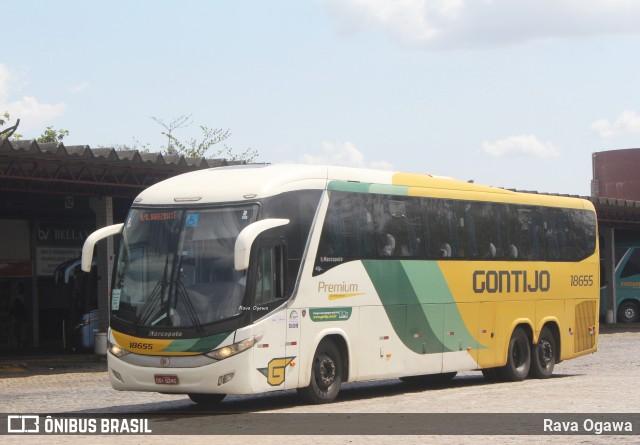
(627, 282)
(248, 279)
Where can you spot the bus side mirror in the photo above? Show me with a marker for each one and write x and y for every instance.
(90, 242)
(247, 236)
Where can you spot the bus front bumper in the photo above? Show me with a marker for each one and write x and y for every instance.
(228, 376)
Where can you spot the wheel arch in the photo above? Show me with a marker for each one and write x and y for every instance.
(523, 323)
(634, 301)
(341, 340)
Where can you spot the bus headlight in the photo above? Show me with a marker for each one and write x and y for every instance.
(117, 350)
(236, 348)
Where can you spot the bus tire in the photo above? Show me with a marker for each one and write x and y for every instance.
(543, 355)
(326, 374)
(207, 399)
(628, 312)
(518, 357)
(428, 379)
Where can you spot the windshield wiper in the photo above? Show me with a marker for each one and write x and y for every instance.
(181, 291)
(155, 298)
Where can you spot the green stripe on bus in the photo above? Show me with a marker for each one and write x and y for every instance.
(431, 287)
(348, 186)
(383, 189)
(365, 187)
(414, 295)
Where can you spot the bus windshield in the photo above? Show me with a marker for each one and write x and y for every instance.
(176, 268)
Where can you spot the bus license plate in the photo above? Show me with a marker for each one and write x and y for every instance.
(166, 379)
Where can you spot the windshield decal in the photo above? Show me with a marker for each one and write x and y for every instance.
(158, 216)
(192, 219)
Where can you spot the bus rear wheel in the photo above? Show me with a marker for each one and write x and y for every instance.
(326, 374)
(518, 358)
(628, 312)
(207, 399)
(543, 355)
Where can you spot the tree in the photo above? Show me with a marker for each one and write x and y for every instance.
(196, 148)
(177, 122)
(10, 131)
(51, 135)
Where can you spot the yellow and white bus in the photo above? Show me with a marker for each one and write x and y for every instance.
(242, 280)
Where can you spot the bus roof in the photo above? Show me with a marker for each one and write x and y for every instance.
(255, 181)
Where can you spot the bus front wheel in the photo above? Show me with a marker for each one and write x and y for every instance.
(518, 358)
(628, 312)
(326, 374)
(543, 355)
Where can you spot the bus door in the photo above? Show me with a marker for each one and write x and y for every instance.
(270, 355)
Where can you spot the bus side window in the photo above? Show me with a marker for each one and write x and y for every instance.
(270, 275)
(348, 233)
(523, 233)
(581, 232)
(441, 229)
(398, 226)
(633, 265)
(484, 230)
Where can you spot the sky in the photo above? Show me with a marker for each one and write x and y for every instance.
(508, 93)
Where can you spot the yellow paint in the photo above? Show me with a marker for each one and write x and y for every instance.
(429, 186)
(339, 296)
(146, 346)
(275, 370)
(498, 313)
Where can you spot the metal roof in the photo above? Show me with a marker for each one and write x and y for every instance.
(28, 166)
(611, 211)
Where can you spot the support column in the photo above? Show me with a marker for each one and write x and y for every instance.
(35, 309)
(609, 255)
(103, 208)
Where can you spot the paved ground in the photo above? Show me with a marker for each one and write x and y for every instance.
(605, 382)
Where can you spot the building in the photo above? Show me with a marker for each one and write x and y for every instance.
(51, 197)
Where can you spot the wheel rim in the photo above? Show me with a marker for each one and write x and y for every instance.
(326, 372)
(629, 313)
(545, 352)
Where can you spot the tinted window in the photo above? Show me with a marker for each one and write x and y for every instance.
(348, 232)
(398, 226)
(299, 208)
(444, 222)
(633, 265)
(361, 226)
(524, 241)
(486, 230)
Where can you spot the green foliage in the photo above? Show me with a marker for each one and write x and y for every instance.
(51, 135)
(4, 119)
